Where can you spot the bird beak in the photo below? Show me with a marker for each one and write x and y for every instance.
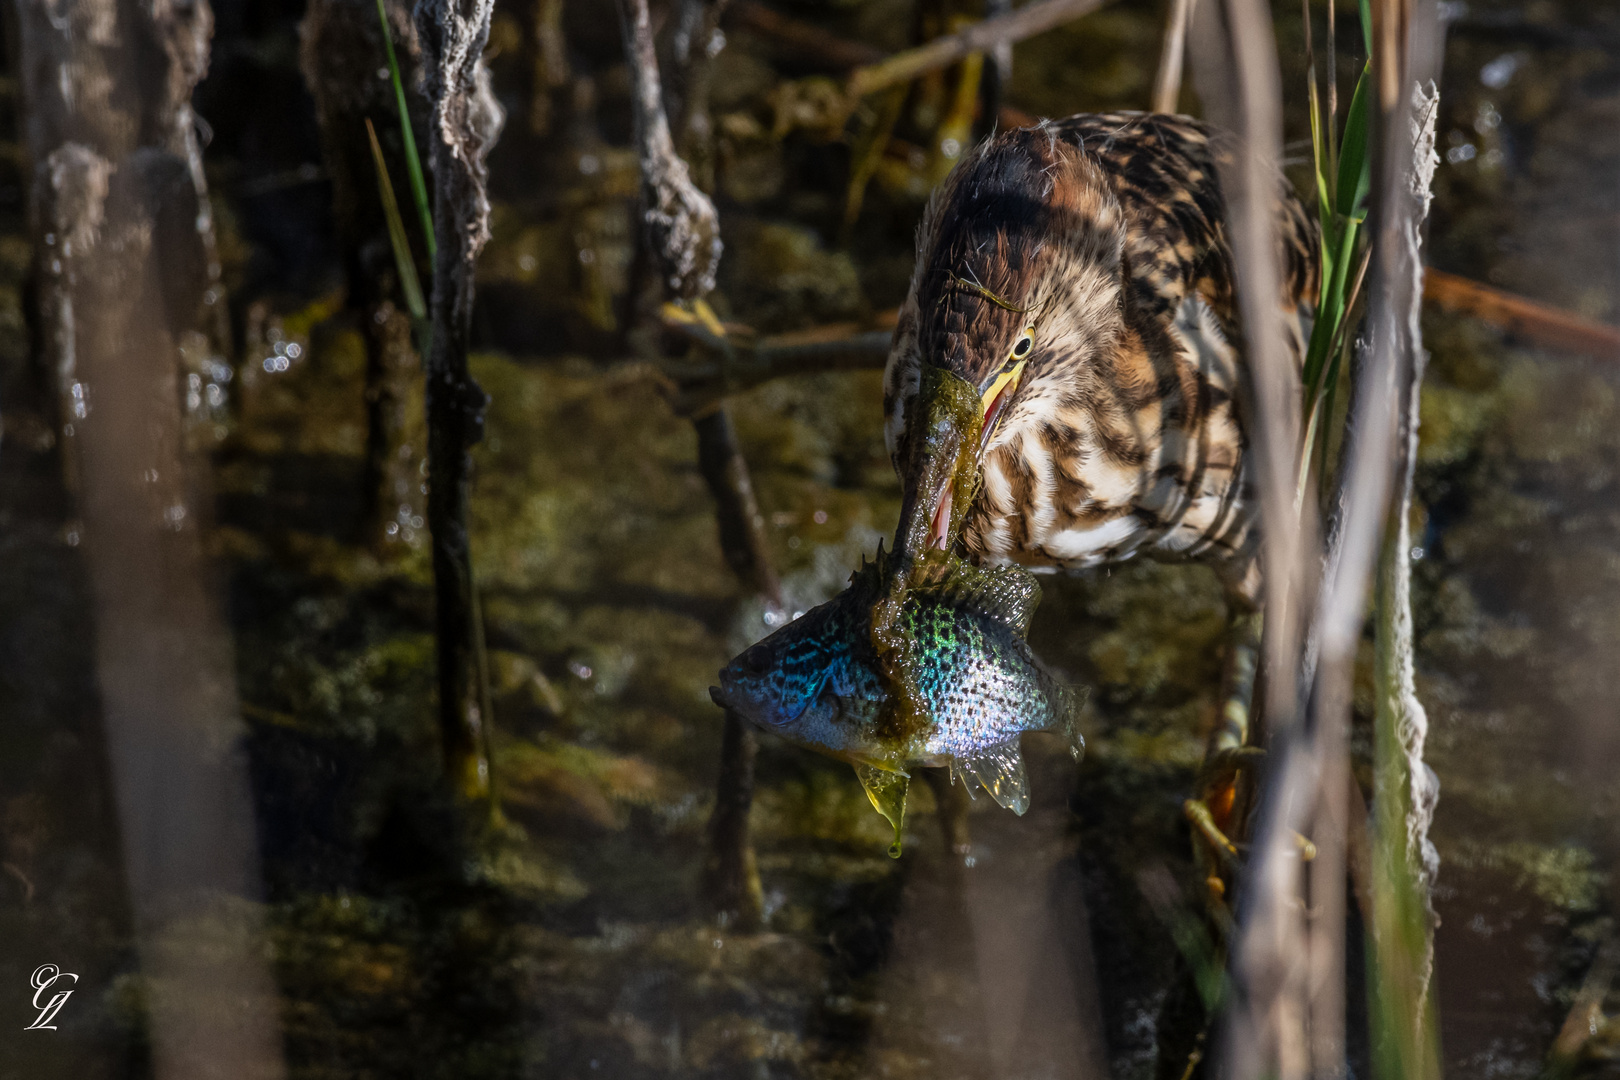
(994, 398)
(941, 464)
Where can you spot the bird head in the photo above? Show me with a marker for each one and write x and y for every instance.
(1017, 285)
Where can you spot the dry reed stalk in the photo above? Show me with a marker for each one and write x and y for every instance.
(124, 264)
(1265, 1031)
(466, 122)
(1172, 58)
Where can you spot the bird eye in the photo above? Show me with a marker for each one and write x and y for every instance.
(1025, 344)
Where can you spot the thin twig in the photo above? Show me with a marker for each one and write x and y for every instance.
(986, 36)
(800, 41)
(1536, 323)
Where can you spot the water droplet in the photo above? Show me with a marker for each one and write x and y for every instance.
(294, 350)
(1498, 72)
(820, 517)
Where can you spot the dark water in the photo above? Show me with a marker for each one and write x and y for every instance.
(570, 941)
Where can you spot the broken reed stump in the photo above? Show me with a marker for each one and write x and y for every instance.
(341, 51)
(681, 241)
(465, 123)
(124, 276)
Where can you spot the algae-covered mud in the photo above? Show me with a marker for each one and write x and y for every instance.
(568, 938)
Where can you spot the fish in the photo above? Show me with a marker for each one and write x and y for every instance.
(927, 664)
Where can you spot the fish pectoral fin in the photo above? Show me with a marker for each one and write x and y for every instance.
(999, 769)
(887, 790)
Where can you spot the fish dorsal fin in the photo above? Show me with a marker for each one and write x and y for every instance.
(999, 769)
(887, 790)
(871, 574)
(1008, 594)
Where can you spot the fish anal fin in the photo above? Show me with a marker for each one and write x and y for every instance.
(999, 769)
(887, 791)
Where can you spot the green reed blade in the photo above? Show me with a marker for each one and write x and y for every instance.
(409, 283)
(413, 160)
(1355, 167)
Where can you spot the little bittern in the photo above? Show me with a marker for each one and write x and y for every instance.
(1078, 275)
